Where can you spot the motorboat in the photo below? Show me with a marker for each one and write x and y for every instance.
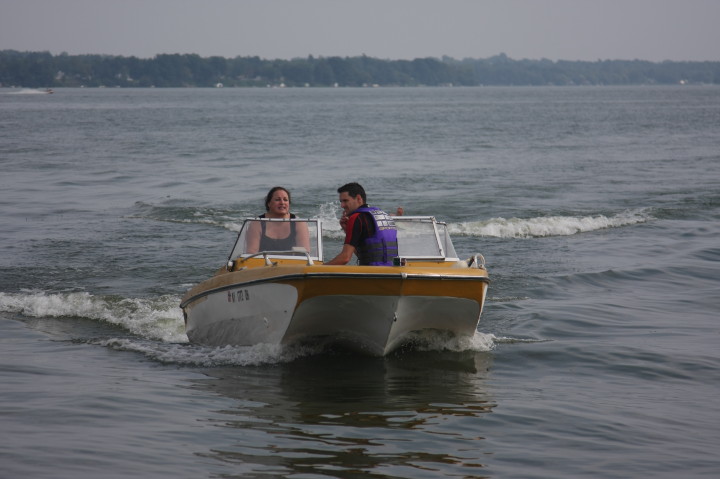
(289, 296)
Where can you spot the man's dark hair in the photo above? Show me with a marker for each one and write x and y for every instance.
(353, 189)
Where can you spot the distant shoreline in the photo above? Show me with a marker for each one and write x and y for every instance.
(44, 70)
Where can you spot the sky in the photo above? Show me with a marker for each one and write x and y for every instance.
(654, 30)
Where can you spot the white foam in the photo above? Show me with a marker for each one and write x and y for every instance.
(538, 227)
(232, 226)
(262, 354)
(329, 214)
(157, 318)
(547, 225)
(194, 355)
(434, 341)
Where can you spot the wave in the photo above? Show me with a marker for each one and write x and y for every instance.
(547, 225)
(268, 354)
(159, 330)
(230, 220)
(156, 318)
(187, 354)
(227, 219)
(436, 341)
(537, 227)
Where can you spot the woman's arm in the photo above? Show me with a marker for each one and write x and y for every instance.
(252, 240)
(302, 236)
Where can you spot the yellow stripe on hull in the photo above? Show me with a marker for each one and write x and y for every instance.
(369, 307)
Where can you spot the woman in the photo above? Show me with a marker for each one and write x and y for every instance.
(277, 235)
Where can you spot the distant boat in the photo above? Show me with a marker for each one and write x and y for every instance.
(33, 91)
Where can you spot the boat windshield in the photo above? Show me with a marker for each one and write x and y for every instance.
(419, 237)
(279, 237)
(423, 237)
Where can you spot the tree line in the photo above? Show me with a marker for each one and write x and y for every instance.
(44, 70)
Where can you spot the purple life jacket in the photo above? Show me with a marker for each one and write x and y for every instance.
(380, 248)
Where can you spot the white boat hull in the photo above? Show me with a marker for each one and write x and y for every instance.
(242, 316)
(276, 313)
(377, 325)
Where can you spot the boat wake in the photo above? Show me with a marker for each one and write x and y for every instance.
(437, 341)
(537, 227)
(156, 330)
(547, 225)
(267, 354)
(155, 318)
(203, 356)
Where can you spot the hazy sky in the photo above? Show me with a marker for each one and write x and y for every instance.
(652, 30)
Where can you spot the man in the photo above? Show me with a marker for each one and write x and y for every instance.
(370, 233)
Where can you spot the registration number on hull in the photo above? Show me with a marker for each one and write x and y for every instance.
(238, 296)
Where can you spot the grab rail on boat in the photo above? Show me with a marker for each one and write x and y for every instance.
(265, 255)
(478, 260)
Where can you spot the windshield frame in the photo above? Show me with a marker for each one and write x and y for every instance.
(432, 240)
(239, 249)
(436, 242)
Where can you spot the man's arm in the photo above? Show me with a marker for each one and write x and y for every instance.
(345, 255)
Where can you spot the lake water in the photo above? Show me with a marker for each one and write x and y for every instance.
(596, 208)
